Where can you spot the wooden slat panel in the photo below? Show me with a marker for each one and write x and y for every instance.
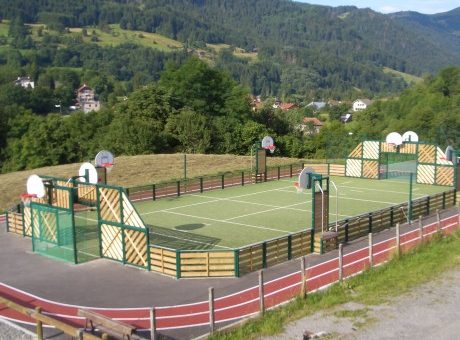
(357, 151)
(371, 150)
(408, 148)
(371, 169)
(15, 222)
(112, 242)
(353, 168)
(130, 215)
(337, 170)
(87, 192)
(427, 153)
(109, 204)
(425, 174)
(136, 247)
(445, 175)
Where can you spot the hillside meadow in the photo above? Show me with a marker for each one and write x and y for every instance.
(130, 171)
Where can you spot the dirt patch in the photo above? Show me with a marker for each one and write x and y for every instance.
(428, 311)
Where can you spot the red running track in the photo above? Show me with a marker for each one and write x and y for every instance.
(233, 306)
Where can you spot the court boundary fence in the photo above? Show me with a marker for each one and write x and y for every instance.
(127, 241)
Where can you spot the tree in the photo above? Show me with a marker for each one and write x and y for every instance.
(191, 129)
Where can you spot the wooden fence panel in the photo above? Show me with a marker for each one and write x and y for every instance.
(337, 170)
(112, 244)
(15, 223)
(251, 259)
(163, 261)
(277, 251)
(207, 264)
(300, 244)
(136, 247)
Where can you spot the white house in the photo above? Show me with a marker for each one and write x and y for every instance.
(25, 82)
(86, 99)
(317, 105)
(361, 104)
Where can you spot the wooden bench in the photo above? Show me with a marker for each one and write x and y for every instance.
(105, 324)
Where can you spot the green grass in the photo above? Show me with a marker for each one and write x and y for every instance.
(408, 78)
(239, 216)
(375, 286)
(119, 36)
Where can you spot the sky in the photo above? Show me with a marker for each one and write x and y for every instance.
(389, 6)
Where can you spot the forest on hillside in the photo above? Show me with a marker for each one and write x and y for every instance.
(302, 50)
(196, 108)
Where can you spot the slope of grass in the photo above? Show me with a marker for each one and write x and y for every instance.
(408, 78)
(135, 170)
(118, 36)
(372, 287)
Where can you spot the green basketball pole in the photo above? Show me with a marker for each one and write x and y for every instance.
(409, 206)
(185, 166)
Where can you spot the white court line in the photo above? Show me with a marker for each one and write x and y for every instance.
(382, 190)
(269, 210)
(262, 204)
(189, 240)
(212, 201)
(364, 200)
(224, 221)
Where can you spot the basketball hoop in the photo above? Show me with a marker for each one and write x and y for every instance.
(27, 199)
(271, 148)
(298, 188)
(107, 166)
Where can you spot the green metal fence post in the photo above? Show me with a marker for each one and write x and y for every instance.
(154, 192)
(346, 230)
(312, 240)
(392, 215)
(122, 220)
(223, 181)
(409, 215)
(370, 223)
(279, 173)
(201, 184)
(178, 188)
(444, 200)
(290, 170)
(427, 205)
(328, 168)
(23, 220)
(289, 246)
(178, 269)
(147, 235)
(236, 260)
(7, 224)
(32, 227)
(264, 254)
(99, 225)
(71, 194)
(242, 178)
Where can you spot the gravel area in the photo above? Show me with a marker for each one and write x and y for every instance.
(9, 331)
(429, 311)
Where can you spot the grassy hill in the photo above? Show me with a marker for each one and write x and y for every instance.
(408, 78)
(130, 171)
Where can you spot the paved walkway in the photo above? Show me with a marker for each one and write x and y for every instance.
(104, 283)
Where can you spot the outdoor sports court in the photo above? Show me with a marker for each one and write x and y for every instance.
(240, 216)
